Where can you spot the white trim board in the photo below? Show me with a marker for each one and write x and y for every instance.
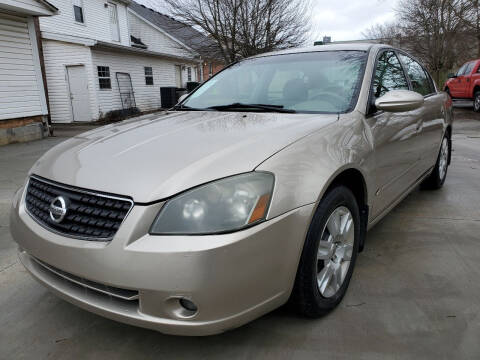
(36, 64)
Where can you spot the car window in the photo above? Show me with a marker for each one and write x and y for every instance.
(279, 81)
(461, 70)
(431, 84)
(315, 82)
(389, 74)
(418, 77)
(469, 68)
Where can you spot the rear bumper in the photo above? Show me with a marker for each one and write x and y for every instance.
(232, 278)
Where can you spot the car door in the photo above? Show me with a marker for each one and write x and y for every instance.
(396, 145)
(455, 85)
(432, 112)
(474, 80)
(465, 85)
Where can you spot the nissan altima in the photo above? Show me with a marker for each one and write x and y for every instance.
(255, 190)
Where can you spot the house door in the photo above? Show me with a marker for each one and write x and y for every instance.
(114, 29)
(79, 96)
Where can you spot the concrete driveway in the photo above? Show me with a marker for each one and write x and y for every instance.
(415, 292)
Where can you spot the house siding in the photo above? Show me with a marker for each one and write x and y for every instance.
(154, 39)
(27, 7)
(96, 25)
(58, 55)
(21, 94)
(147, 97)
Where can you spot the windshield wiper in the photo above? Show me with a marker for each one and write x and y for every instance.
(272, 108)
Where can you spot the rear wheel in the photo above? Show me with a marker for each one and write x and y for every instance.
(476, 102)
(329, 254)
(439, 173)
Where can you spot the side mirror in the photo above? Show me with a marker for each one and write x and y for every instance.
(399, 101)
(181, 98)
(451, 76)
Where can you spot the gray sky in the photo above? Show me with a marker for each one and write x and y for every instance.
(340, 19)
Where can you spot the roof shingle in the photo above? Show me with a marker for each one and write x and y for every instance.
(184, 33)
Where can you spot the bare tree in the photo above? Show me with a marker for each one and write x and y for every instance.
(243, 28)
(430, 28)
(389, 33)
(439, 32)
(468, 11)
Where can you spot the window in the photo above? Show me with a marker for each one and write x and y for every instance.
(114, 29)
(461, 71)
(389, 74)
(210, 69)
(104, 77)
(281, 79)
(420, 80)
(469, 68)
(148, 75)
(78, 10)
(317, 82)
(189, 74)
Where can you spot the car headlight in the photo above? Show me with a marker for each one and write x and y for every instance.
(225, 205)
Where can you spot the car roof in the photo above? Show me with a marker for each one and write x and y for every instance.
(332, 47)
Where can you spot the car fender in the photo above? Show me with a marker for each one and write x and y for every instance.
(304, 170)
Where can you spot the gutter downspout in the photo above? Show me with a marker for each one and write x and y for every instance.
(38, 36)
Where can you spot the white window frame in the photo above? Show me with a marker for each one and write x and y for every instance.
(104, 77)
(115, 7)
(150, 75)
(189, 74)
(80, 4)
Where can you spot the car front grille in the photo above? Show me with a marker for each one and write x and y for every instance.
(89, 215)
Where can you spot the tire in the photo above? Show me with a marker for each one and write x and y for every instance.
(476, 101)
(311, 296)
(439, 173)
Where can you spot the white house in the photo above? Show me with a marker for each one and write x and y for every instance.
(100, 57)
(23, 103)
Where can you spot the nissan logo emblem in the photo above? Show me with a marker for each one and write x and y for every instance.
(58, 209)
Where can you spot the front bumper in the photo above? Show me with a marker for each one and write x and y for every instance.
(232, 278)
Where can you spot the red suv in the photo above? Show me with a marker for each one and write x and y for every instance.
(466, 83)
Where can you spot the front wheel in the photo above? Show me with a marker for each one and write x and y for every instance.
(476, 102)
(439, 173)
(329, 254)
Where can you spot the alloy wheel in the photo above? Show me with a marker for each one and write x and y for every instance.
(443, 159)
(335, 251)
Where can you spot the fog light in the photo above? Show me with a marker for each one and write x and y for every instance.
(188, 305)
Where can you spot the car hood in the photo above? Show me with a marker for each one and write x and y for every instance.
(152, 159)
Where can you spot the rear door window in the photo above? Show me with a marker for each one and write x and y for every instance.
(418, 77)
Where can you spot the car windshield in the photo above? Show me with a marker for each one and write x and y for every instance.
(315, 82)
